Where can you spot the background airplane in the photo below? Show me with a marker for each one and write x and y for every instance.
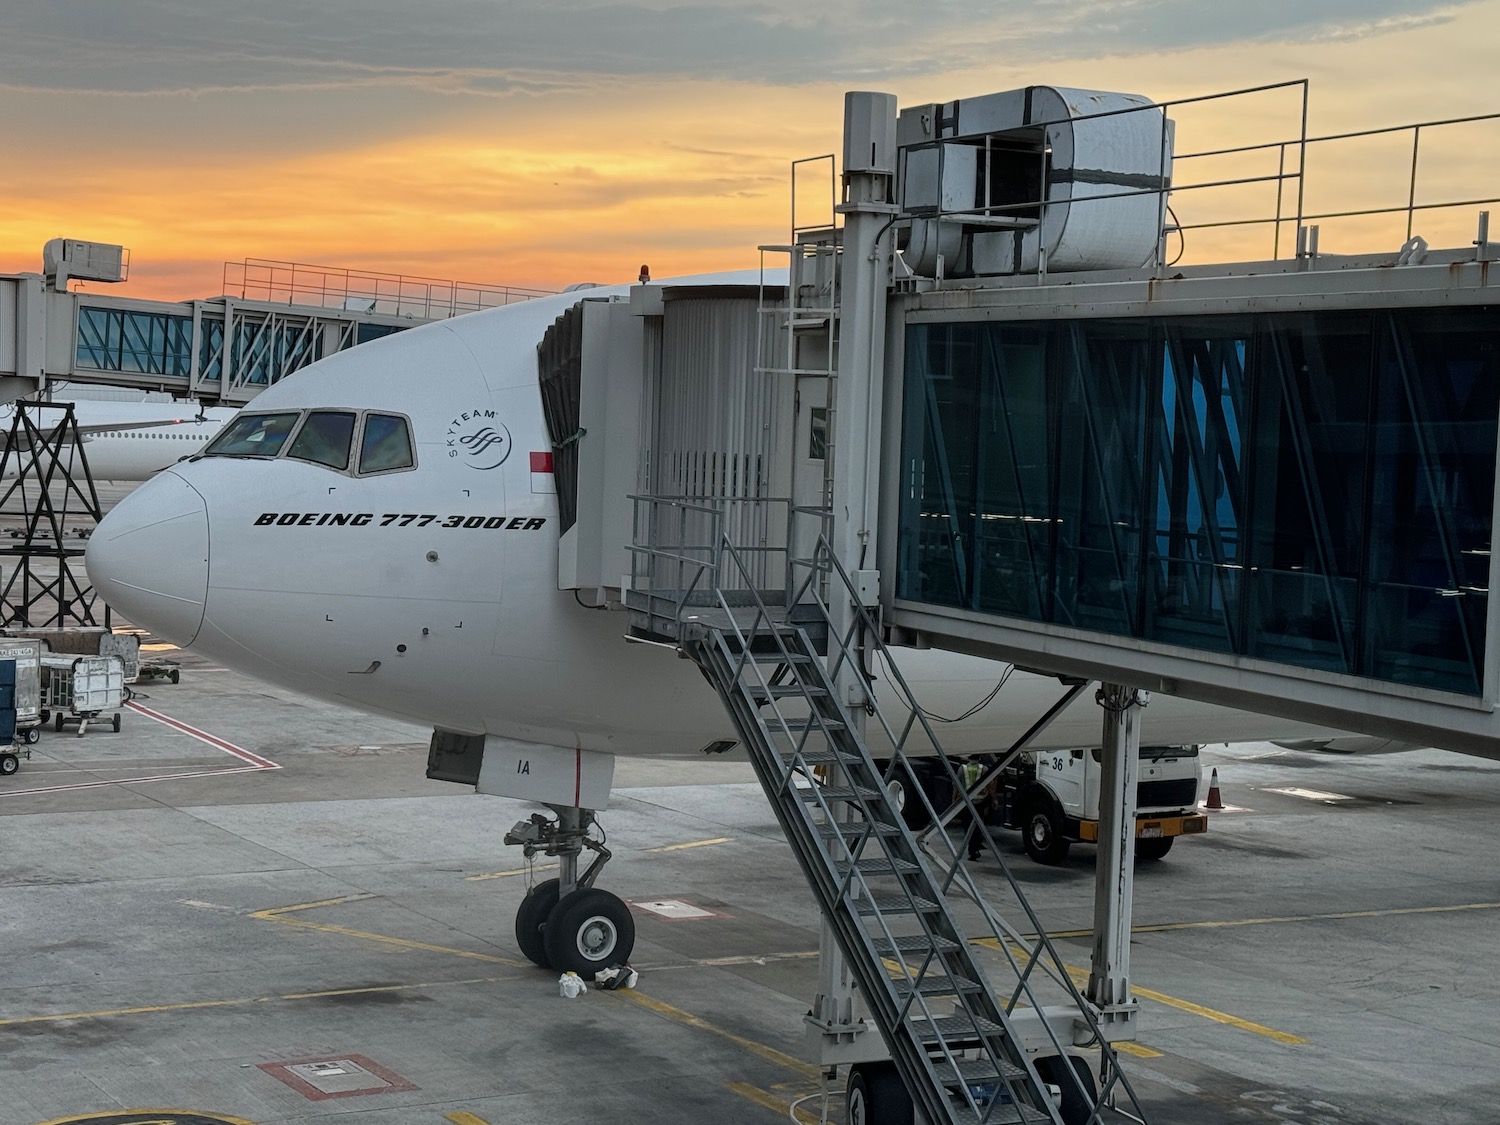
(130, 441)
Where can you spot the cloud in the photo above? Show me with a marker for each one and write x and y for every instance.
(512, 48)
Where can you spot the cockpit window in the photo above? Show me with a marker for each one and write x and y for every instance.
(253, 435)
(324, 439)
(387, 444)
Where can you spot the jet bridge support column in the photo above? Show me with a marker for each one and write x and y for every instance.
(854, 452)
(1114, 871)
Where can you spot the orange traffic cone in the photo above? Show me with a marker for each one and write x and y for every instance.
(1214, 800)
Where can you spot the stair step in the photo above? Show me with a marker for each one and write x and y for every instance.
(912, 943)
(1006, 1115)
(856, 829)
(877, 865)
(953, 1029)
(982, 1069)
(852, 793)
(886, 902)
(760, 696)
(934, 984)
(812, 757)
(815, 723)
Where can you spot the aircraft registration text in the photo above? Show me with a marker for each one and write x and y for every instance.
(398, 519)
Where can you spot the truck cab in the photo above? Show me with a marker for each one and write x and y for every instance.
(1052, 798)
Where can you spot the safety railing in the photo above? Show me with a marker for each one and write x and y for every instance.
(1285, 173)
(353, 290)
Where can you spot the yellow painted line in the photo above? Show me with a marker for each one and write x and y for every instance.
(158, 648)
(462, 1118)
(693, 844)
(770, 1101)
(239, 1001)
(1219, 1017)
(509, 874)
(276, 911)
(761, 1050)
(1347, 915)
(1081, 979)
(1139, 1050)
(275, 914)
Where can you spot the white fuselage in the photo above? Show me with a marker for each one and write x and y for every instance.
(432, 593)
(139, 449)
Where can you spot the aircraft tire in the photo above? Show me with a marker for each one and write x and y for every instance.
(9, 764)
(1074, 1107)
(531, 921)
(587, 931)
(1042, 828)
(1150, 850)
(877, 1096)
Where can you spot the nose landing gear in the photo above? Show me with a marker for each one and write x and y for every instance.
(567, 924)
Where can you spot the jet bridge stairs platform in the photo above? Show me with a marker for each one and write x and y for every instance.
(974, 1003)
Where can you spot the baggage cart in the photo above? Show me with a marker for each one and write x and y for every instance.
(27, 653)
(81, 689)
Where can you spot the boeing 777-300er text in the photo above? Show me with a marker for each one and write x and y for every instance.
(370, 530)
(128, 441)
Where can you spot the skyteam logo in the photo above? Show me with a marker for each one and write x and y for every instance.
(479, 438)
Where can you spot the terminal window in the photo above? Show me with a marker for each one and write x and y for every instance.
(1312, 488)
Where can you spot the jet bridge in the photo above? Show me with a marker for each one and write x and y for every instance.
(989, 411)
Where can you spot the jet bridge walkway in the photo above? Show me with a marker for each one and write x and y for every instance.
(971, 998)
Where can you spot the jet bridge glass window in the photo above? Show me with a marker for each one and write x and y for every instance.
(1313, 489)
(253, 435)
(386, 445)
(324, 439)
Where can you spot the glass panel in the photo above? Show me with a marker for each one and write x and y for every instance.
(1314, 489)
(387, 444)
(253, 435)
(325, 438)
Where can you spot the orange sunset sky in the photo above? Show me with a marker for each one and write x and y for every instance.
(545, 142)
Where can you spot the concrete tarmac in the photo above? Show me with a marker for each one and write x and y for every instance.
(219, 918)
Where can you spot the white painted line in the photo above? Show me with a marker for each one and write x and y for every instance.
(1229, 808)
(255, 763)
(132, 781)
(203, 736)
(1311, 794)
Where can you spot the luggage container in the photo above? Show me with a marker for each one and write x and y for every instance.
(10, 753)
(81, 689)
(27, 653)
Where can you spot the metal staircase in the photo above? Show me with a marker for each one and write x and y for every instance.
(958, 1015)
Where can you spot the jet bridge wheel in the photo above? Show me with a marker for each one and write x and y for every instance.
(531, 921)
(877, 1096)
(1075, 1106)
(587, 931)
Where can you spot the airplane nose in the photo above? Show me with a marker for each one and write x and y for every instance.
(148, 558)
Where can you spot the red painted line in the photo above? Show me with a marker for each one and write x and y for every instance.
(203, 736)
(129, 781)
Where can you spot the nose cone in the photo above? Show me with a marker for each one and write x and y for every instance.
(149, 558)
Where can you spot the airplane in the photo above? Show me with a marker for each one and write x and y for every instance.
(130, 441)
(371, 531)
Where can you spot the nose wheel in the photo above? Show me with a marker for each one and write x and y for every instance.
(567, 924)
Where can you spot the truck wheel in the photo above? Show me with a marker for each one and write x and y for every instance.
(57, 721)
(9, 764)
(1153, 849)
(32, 735)
(1042, 830)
